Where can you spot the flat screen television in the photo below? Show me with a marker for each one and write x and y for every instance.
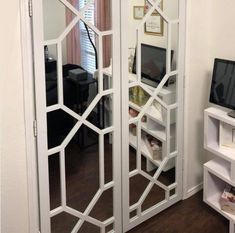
(153, 64)
(223, 83)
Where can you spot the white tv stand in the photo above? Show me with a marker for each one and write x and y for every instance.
(221, 170)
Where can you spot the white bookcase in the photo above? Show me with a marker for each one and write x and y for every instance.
(221, 170)
(156, 123)
(156, 126)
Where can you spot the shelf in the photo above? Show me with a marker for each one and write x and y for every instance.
(220, 114)
(214, 185)
(226, 153)
(164, 91)
(151, 113)
(158, 133)
(155, 115)
(144, 149)
(213, 201)
(213, 119)
(220, 168)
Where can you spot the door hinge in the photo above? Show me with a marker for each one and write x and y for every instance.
(30, 4)
(35, 129)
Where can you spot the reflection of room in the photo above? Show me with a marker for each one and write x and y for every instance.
(153, 69)
(82, 153)
(79, 51)
(171, 10)
(79, 61)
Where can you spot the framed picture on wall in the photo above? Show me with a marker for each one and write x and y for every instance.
(138, 12)
(154, 25)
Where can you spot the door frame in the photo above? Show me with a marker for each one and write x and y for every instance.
(29, 111)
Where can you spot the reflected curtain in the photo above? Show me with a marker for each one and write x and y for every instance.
(73, 38)
(103, 23)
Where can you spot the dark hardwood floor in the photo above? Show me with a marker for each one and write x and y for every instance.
(82, 182)
(188, 216)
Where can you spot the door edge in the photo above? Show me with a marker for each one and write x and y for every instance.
(29, 116)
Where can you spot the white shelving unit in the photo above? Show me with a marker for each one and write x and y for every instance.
(221, 170)
(156, 126)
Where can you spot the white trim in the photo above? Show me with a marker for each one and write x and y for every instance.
(116, 70)
(40, 99)
(181, 101)
(193, 191)
(185, 158)
(29, 114)
(125, 114)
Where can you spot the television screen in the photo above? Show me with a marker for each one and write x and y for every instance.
(223, 83)
(153, 62)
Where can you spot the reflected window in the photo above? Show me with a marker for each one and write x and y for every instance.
(87, 50)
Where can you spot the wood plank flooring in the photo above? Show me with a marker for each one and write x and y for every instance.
(82, 177)
(188, 216)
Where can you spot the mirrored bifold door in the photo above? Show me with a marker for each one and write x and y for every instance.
(77, 81)
(108, 83)
(152, 108)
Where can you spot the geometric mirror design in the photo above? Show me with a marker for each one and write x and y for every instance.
(79, 121)
(153, 170)
(108, 112)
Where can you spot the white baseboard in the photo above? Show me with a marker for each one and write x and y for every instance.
(193, 191)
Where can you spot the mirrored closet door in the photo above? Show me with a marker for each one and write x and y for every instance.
(152, 108)
(109, 109)
(78, 114)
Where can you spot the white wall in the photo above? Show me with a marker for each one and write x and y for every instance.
(14, 209)
(223, 29)
(210, 34)
(198, 47)
(54, 24)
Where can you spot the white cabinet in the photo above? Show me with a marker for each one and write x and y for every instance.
(220, 171)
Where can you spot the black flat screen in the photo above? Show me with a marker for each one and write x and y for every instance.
(223, 83)
(153, 62)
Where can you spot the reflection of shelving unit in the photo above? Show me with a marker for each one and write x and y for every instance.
(156, 126)
(144, 149)
(151, 163)
(221, 170)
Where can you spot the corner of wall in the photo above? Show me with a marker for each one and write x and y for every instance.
(197, 79)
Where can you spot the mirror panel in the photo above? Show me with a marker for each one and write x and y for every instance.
(81, 132)
(153, 59)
